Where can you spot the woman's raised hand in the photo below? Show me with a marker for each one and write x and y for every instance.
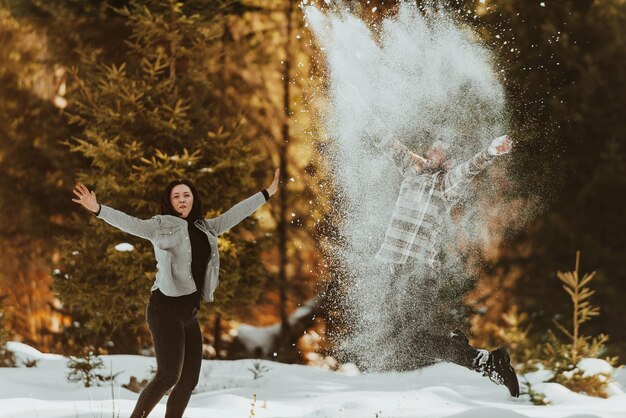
(272, 189)
(86, 198)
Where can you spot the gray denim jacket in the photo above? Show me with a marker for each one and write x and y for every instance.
(172, 246)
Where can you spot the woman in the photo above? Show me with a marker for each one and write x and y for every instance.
(185, 247)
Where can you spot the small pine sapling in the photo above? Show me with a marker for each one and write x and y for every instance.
(536, 398)
(560, 358)
(514, 336)
(258, 370)
(31, 362)
(563, 357)
(85, 368)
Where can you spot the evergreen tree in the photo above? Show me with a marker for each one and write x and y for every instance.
(6, 356)
(147, 119)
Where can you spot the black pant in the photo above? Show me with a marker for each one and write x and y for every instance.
(415, 338)
(178, 346)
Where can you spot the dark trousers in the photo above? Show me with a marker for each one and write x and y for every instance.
(178, 346)
(415, 337)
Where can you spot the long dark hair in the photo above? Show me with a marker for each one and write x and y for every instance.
(166, 205)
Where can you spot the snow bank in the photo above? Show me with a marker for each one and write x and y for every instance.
(591, 366)
(264, 339)
(227, 389)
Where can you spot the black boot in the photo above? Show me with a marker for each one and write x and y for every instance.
(497, 367)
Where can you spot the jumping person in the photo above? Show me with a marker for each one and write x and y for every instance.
(185, 247)
(412, 246)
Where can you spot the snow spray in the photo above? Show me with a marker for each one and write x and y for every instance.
(427, 78)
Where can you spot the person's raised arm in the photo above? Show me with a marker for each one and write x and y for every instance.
(138, 227)
(456, 178)
(405, 161)
(243, 209)
(379, 136)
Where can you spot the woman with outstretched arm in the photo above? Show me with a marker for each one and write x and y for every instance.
(185, 247)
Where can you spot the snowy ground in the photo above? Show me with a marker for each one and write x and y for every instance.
(227, 389)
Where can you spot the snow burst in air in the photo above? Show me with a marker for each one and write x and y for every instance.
(427, 78)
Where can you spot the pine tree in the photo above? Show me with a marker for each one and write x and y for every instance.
(6, 356)
(561, 358)
(147, 119)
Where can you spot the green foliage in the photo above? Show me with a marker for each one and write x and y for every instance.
(515, 336)
(536, 398)
(579, 346)
(7, 359)
(30, 363)
(107, 304)
(84, 368)
(563, 357)
(560, 357)
(31, 165)
(258, 369)
(144, 122)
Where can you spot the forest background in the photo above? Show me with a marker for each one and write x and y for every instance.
(126, 95)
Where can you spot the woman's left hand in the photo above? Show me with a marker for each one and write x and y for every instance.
(272, 189)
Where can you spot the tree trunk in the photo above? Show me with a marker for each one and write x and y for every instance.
(217, 335)
(284, 348)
